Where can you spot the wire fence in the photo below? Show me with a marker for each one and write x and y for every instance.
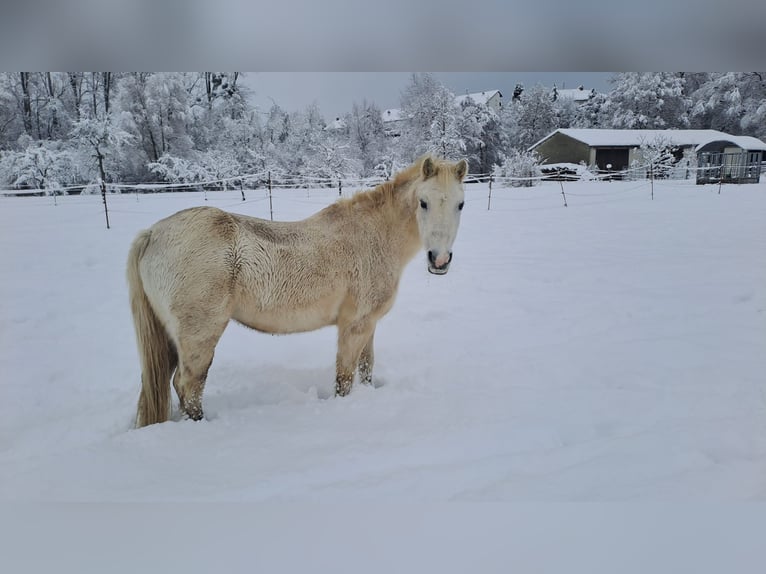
(264, 179)
(262, 187)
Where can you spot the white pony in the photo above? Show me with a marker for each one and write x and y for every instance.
(193, 272)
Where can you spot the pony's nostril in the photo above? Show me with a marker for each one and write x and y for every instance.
(439, 261)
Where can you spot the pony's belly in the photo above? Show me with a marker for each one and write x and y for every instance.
(287, 321)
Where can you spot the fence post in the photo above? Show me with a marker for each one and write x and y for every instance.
(564, 195)
(242, 189)
(271, 206)
(720, 177)
(103, 196)
(489, 197)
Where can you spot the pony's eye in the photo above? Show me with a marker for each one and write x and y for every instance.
(460, 205)
(423, 204)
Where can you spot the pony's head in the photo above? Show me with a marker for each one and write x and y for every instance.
(439, 195)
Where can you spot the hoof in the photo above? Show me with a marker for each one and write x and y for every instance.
(194, 415)
(342, 392)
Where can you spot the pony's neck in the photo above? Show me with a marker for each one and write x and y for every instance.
(402, 219)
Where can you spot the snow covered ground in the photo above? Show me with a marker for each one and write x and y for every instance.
(613, 350)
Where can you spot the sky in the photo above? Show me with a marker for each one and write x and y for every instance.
(335, 92)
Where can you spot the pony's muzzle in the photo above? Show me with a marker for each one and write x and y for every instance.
(439, 264)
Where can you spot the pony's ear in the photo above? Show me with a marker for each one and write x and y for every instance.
(461, 168)
(428, 168)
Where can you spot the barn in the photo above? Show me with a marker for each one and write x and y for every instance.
(717, 154)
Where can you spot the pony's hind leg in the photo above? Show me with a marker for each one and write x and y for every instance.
(195, 355)
(366, 361)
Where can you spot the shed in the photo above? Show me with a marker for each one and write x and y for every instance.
(737, 158)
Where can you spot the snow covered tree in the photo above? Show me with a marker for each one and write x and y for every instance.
(40, 102)
(277, 126)
(157, 106)
(445, 137)
(592, 114)
(658, 157)
(565, 111)
(366, 136)
(242, 138)
(517, 92)
(734, 102)
(641, 100)
(535, 117)
(177, 169)
(478, 127)
(103, 141)
(431, 119)
(42, 165)
(305, 130)
(11, 125)
(216, 103)
(329, 161)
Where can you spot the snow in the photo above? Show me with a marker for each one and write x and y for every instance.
(611, 351)
(608, 351)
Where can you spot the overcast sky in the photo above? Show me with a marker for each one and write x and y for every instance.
(335, 92)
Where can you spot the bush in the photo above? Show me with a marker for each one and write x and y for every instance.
(519, 169)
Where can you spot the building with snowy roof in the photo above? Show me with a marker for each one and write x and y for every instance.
(717, 155)
(392, 122)
(577, 95)
(493, 99)
(393, 119)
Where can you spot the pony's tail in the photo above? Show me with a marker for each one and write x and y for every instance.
(157, 352)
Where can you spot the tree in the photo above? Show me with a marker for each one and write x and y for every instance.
(104, 140)
(366, 136)
(431, 117)
(157, 107)
(658, 156)
(592, 114)
(478, 128)
(42, 165)
(641, 100)
(444, 134)
(734, 102)
(305, 132)
(536, 117)
(11, 124)
(565, 111)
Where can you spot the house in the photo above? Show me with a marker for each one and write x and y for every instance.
(735, 158)
(393, 120)
(493, 99)
(337, 125)
(577, 95)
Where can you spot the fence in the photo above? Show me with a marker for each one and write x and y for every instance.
(265, 181)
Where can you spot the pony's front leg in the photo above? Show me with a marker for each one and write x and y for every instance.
(366, 361)
(352, 338)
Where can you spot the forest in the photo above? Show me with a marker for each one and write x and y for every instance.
(64, 129)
